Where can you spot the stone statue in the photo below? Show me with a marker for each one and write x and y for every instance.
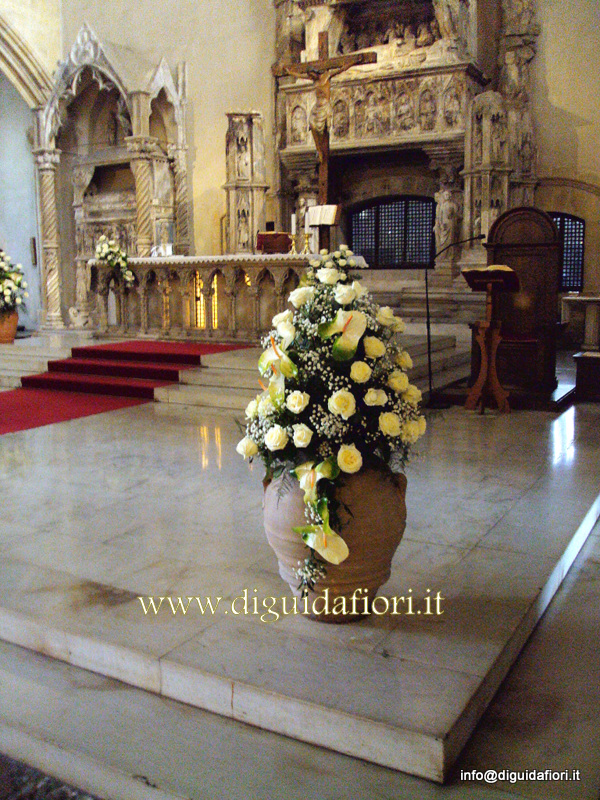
(298, 125)
(243, 156)
(405, 114)
(498, 138)
(446, 219)
(427, 110)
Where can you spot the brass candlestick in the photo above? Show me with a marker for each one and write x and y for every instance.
(293, 250)
(307, 238)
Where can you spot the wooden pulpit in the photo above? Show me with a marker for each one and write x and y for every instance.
(527, 240)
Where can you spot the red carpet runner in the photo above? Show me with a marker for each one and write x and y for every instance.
(97, 379)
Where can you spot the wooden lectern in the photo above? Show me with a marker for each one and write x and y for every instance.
(493, 280)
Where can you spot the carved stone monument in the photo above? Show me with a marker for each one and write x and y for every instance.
(246, 185)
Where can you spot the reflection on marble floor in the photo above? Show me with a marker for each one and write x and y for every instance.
(148, 501)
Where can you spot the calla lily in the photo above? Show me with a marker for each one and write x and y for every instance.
(325, 541)
(309, 475)
(275, 355)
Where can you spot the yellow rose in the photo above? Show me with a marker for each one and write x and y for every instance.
(410, 431)
(398, 381)
(276, 438)
(246, 447)
(389, 423)
(404, 360)
(412, 395)
(385, 316)
(374, 347)
(342, 403)
(422, 422)
(349, 458)
(375, 397)
(360, 372)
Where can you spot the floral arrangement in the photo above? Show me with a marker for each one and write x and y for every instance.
(12, 286)
(336, 399)
(108, 250)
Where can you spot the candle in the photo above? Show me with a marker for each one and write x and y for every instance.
(306, 223)
(293, 231)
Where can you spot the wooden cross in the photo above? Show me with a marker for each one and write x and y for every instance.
(321, 72)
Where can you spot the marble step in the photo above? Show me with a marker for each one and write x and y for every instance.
(211, 396)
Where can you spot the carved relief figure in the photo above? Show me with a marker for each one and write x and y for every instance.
(405, 113)
(424, 35)
(478, 138)
(526, 154)
(243, 166)
(451, 106)
(427, 110)
(498, 138)
(299, 125)
(446, 219)
(451, 17)
(341, 119)
(373, 116)
(395, 32)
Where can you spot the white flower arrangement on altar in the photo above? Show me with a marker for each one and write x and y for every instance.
(108, 250)
(12, 284)
(338, 398)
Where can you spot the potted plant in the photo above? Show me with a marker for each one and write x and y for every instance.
(12, 292)
(334, 426)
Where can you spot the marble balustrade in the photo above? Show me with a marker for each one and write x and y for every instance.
(231, 297)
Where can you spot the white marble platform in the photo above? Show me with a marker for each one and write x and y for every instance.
(98, 511)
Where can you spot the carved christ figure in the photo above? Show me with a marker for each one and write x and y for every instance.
(321, 115)
(320, 120)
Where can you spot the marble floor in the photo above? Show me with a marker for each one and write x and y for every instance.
(154, 501)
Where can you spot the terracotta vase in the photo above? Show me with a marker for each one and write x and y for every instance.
(372, 532)
(9, 321)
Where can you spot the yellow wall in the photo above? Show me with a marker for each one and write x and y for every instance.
(38, 23)
(229, 47)
(566, 104)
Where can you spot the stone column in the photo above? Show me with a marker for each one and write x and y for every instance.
(142, 149)
(80, 313)
(177, 156)
(46, 161)
(246, 185)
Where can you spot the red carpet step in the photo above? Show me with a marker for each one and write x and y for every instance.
(21, 409)
(122, 369)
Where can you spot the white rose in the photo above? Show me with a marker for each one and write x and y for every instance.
(287, 332)
(389, 423)
(284, 316)
(302, 295)
(374, 347)
(328, 275)
(18, 301)
(302, 435)
(410, 431)
(422, 422)
(385, 316)
(359, 289)
(342, 403)
(375, 397)
(404, 360)
(315, 262)
(323, 252)
(360, 372)
(297, 401)
(349, 458)
(344, 294)
(337, 254)
(246, 447)
(398, 381)
(399, 325)
(412, 395)
(342, 262)
(252, 409)
(276, 438)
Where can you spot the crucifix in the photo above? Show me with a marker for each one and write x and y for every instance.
(321, 72)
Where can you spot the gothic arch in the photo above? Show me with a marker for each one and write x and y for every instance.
(22, 68)
(86, 55)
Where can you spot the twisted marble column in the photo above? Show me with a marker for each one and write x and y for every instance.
(46, 162)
